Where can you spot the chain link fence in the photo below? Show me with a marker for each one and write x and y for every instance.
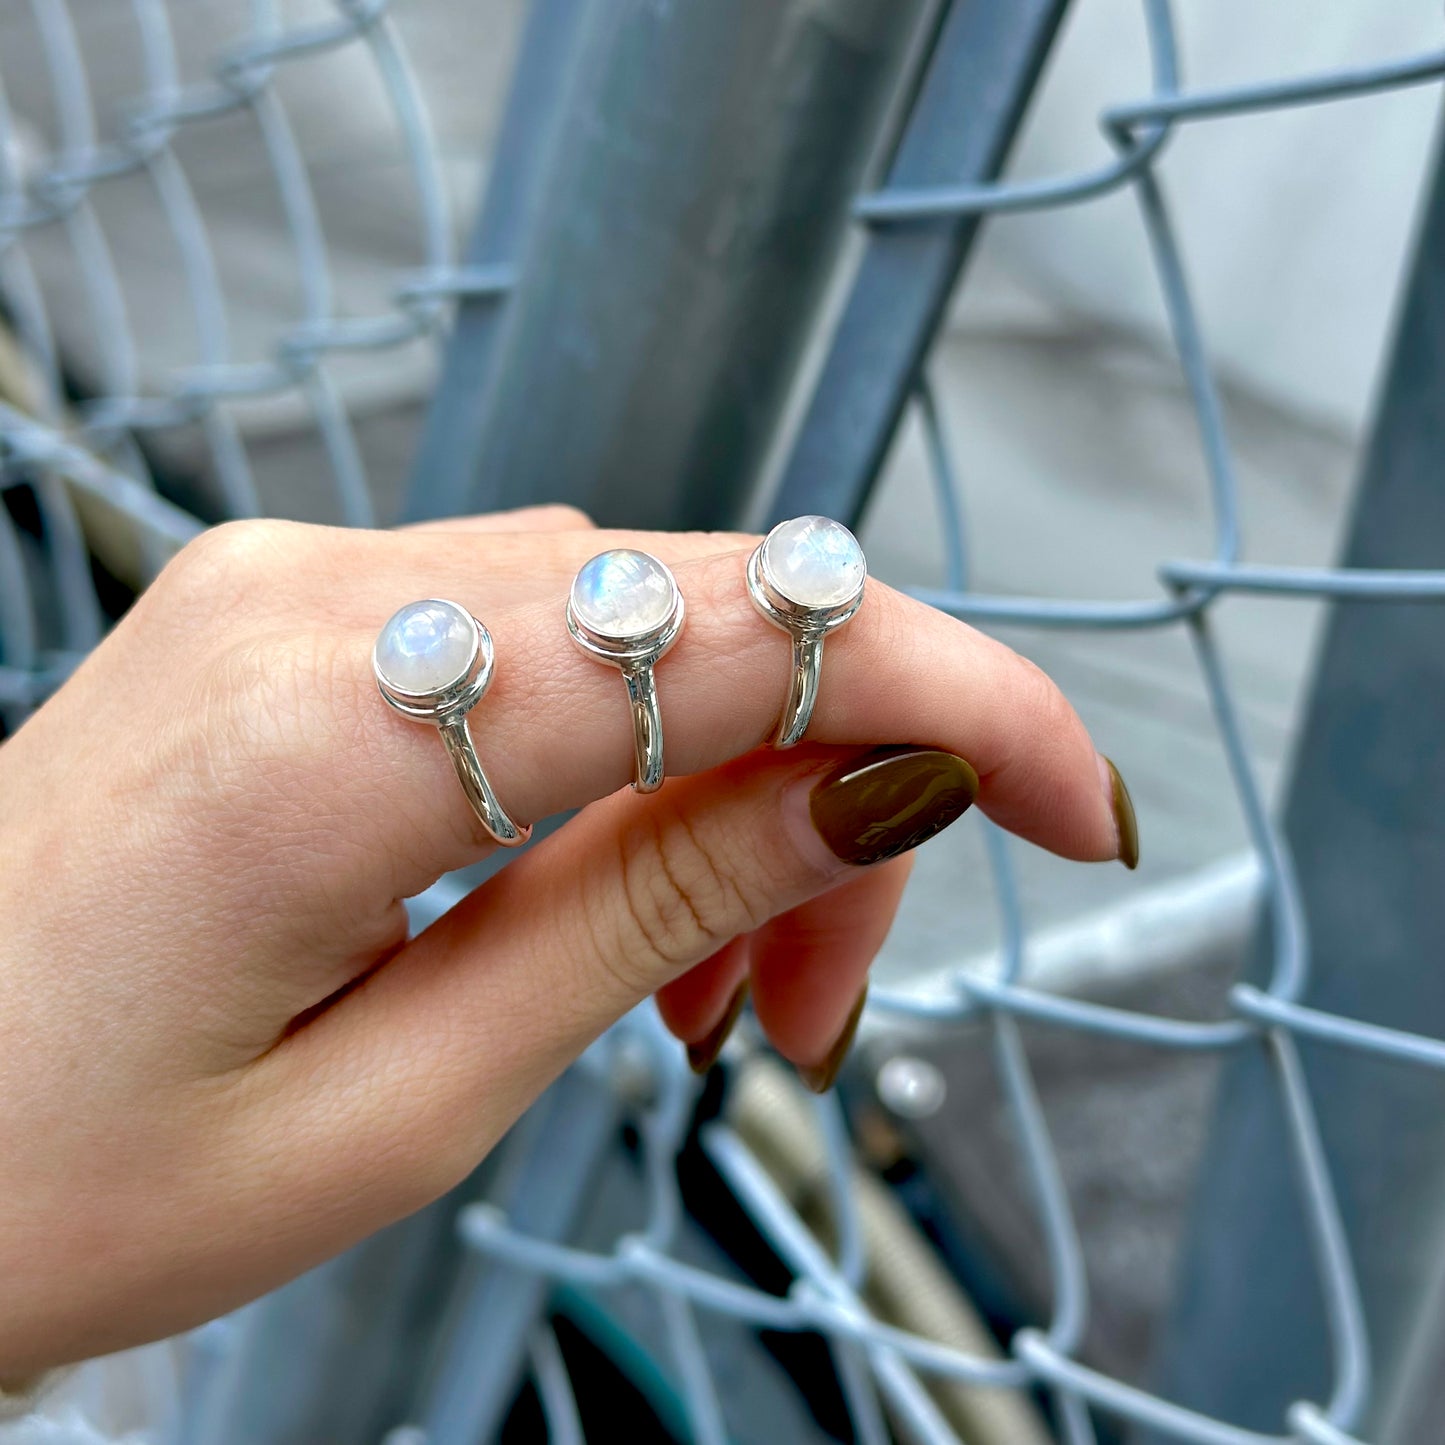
(110, 459)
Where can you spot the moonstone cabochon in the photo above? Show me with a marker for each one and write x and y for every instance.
(814, 561)
(426, 647)
(623, 593)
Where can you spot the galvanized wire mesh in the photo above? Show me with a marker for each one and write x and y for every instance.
(81, 446)
(97, 444)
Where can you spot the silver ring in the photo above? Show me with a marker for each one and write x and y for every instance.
(807, 577)
(433, 662)
(625, 608)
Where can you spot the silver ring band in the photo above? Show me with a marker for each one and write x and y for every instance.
(802, 690)
(646, 728)
(625, 608)
(490, 814)
(806, 577)
(433, 663)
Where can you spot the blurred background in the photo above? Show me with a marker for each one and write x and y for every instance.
(388, 318)
(1055, 378)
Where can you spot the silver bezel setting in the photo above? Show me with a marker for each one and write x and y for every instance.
(456, 699)
(639, 649)
(798, 618)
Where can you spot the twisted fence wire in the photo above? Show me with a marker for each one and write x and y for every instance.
(66, 450)
(103, 436)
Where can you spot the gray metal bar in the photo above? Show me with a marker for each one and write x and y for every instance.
(556, 1150)
(448, 456)
(983, 71)
(707, 158)
(334, 1355)
(1365, 818)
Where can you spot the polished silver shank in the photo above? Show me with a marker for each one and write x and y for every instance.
(635, 656)
(646, 728)
(446, 709)
(802, 690)
(807, 626)
(493, 817)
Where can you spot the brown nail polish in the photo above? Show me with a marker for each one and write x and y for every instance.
(890, 800)
(819, 1077)
(1124, 819)
(702, 1055)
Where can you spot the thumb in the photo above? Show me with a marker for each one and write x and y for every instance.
(467, 1024)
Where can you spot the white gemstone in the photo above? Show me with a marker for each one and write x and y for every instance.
(814, 561)
(426, 647)
(623, 593)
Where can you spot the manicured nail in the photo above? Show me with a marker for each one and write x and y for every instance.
(819, 1077)
(890, 800)
(1125, 823)
(702, 1055)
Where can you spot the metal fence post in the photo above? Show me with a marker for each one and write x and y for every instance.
(692, 207)
(476, 1372)
(1365, 817)
(447, 457)
(982, 71)
(334, 1356)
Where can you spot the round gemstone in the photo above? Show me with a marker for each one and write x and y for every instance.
(623, 594)
(814, 561)
(426, 647)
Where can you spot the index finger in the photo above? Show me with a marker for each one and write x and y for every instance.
(555, 732)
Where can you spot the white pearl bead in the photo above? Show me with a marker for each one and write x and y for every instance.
(623, 594)
(814, 561)
(426, 647)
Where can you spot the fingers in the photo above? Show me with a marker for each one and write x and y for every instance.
(555, 731)
(444, 553)
(551, 518)
(493, 568)
(702, 1006)
(468, 1023)
(270, 571)
(293, 726)
(810, 968)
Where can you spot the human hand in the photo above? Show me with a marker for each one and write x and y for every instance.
(222, 1061)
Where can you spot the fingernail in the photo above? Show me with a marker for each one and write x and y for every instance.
(819, 1077)
(702, 1055)
(1126, 825)
(890, 800)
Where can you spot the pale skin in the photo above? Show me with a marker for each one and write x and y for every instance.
(222, 1060)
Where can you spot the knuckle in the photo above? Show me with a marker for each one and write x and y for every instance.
(680, 900)
(222, 566)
